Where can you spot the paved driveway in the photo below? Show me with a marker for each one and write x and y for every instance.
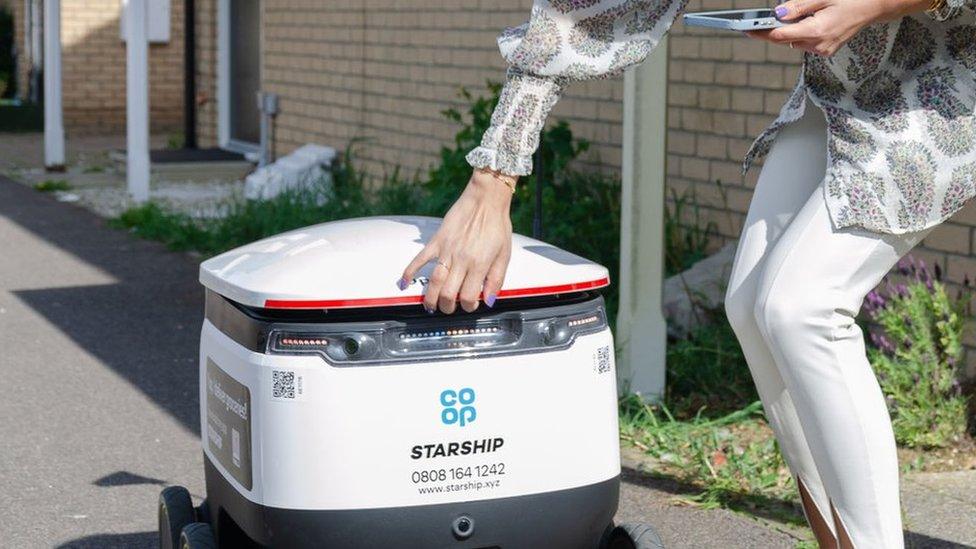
(98, 333)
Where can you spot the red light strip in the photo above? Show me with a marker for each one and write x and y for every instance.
(415, 299)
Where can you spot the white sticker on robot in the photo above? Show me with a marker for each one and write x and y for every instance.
(235, 445)
(287, 386)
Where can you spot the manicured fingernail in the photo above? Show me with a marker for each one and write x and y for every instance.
(490, 300)
(780, 12)
(430, 310)
(402, 284)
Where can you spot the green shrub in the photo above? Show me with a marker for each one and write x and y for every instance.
(175, 141)
(916, 352)
(684, 243)
(732, 458)
(707, 372)
(51, 185)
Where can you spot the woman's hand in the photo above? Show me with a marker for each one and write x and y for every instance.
(828, 24)
(472, 248)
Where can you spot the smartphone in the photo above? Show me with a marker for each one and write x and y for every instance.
(737, 20)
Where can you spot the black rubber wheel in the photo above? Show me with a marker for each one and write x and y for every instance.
(641, 535)
(198, 535)
(607, 536)
(175, 512)
(203, 512)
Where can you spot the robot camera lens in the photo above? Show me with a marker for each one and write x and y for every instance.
(463, 527)
(351, 346)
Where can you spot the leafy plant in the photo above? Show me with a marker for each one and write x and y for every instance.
(733, 458)
(916, 353)
(685, 241)
(175, 141)
(707, 372)
(176, 230)
(558, 147)
(52, 185)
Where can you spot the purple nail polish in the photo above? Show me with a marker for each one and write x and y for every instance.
(430, 310)
(490, 300)
(780, 12)
(402, 284)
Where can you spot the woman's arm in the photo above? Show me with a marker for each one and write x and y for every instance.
(563, 41)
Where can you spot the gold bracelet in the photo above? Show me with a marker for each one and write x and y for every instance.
(935, 6)
(499, 176)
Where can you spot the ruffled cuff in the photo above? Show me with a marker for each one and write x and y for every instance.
(511, 139)
(949, 9)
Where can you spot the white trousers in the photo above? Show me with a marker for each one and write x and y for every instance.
(795, 288)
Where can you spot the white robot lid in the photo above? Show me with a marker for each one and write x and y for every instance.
(357, 262)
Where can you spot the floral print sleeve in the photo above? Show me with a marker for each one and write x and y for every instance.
(563, 41)
(951, 9)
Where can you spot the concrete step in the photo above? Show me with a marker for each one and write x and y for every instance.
(198, 166)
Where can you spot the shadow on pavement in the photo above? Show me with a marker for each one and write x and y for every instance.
(921, 541)
(140, 539)
(125, 478)
(772, 509)
(146, 327)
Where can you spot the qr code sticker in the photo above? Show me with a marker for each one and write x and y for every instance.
(602, 360)
(283, 384)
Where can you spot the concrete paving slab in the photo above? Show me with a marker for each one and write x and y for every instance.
(939, 509)
(98, 395)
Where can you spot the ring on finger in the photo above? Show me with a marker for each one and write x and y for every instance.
(441, 262)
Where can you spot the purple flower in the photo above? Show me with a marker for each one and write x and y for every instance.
(903, 266)
(882, 343)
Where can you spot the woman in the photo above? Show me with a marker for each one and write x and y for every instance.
(846, 190)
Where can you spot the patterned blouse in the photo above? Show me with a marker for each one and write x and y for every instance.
(898, 99)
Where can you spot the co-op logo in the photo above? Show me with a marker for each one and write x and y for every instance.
(458, 406)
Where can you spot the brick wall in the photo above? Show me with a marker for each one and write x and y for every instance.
(384, 70)
(93, 65)
(93, 59)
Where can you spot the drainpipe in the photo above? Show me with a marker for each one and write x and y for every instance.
(190, 75)
(268, 105)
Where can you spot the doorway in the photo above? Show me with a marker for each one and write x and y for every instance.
(239, 74)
